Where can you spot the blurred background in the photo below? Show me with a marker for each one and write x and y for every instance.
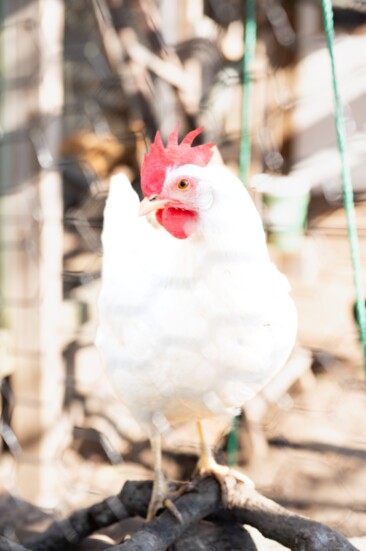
(85, 84)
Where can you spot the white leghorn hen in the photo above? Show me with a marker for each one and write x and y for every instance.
(194, 317)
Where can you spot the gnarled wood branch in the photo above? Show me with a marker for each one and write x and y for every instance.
(8, 545)
(244, 506)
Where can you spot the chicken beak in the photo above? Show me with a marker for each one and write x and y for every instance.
(149, 205)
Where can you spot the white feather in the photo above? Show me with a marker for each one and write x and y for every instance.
(191, 328)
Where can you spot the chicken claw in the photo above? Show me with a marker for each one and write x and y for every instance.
(225, 476)
(161, 495)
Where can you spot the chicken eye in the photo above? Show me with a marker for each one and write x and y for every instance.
(183, 184)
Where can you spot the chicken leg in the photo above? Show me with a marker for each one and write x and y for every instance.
(160, 491)
(207, 466)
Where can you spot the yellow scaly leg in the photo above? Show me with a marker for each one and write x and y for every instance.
(160, 492)
(207, 466)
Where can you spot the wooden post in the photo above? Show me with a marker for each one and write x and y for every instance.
(31, 236)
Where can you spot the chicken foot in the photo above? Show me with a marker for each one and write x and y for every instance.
(161, 496)
(207, 466)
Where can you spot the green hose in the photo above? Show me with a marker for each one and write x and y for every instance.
(346, 181)
(250, 37)
(245, 154)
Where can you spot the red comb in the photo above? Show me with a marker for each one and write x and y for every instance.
(155, 164)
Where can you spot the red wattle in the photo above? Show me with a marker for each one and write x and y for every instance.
(180, 223)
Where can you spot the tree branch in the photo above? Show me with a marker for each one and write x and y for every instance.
(221, 535)
(164, 530)
(8, 545)
(277, 523)
(244, 506)
(81, 523)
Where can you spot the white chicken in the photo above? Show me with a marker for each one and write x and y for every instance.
(194, 316)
